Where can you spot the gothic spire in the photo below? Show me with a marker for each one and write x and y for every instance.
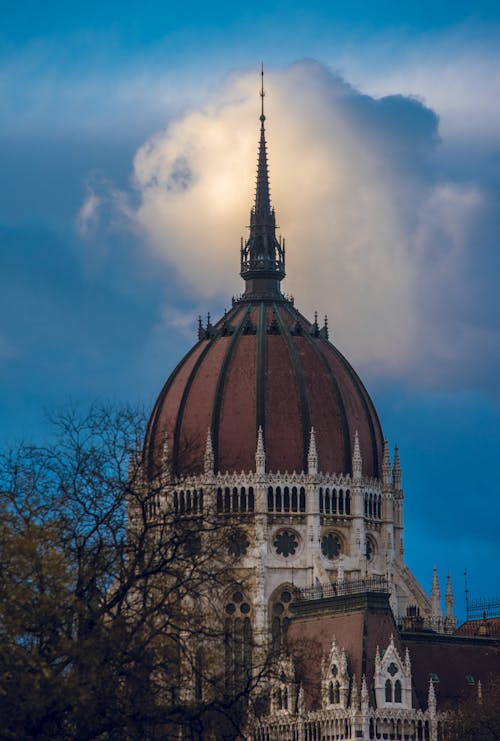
(262, 256)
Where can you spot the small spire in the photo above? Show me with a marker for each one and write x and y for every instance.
(396, 470)
(364, 694)
(260, 453)
(449, 597)
(165, 452)
(354, 694)
(407, 662)
(357, 461)
(209, 454)
(201, 333)
(312, 456)
(431, 698)
(386, 465)
(435, 595)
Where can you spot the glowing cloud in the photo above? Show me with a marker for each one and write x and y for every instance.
(371, 230)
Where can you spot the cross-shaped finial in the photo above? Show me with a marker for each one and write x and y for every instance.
(262, 92)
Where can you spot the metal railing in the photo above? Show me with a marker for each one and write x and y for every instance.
(340, 589)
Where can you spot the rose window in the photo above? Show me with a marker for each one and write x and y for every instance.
(237, 543)
(330, 546)
(286, 543)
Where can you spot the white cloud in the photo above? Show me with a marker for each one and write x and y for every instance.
(370, 227)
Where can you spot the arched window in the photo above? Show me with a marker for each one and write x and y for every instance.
(235, 499)
(294, 499)
(397, 691)
(182, 506)
(200, 501)
(334, 501)
(243, 500)
(388, 691)
(280, 616)
(302, 499)
(195, 501)
(227, 499)
(337, 693)
(278, 499)
(348, 502)
(285, 699)
(331, 694)
(176, 502)
(366, 504)
(237, 642)
(250, 499)
(188, 501)
(286, 499)
(219, 500)
(270, 499)
(327, 501)
(341, 502)
(379, 507)
(321, 499)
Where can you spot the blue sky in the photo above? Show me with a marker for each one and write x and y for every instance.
(402, 104)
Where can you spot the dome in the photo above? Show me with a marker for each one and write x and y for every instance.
(263, 365)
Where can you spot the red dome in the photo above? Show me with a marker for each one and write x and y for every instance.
(263, 364)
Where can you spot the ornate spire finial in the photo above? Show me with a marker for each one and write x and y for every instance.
(396, 470)
(312, 456)
(386, 465)
(262, 255)
(435, 595)
(357, 461)
(260, 453)
(262, 93)
(209, 454)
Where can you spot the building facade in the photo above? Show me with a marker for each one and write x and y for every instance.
(266, 424)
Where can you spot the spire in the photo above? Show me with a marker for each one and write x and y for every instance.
(262, 256)
(435, 595)
(431, 699)
(209, 454)
(312, 456)
(449, 597)
(260, 453)
(386, 465)
(396, 470)
(357, 461)
(450, 621)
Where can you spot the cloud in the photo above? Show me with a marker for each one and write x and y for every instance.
(377, 236)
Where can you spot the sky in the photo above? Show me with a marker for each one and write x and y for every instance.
(128, 141)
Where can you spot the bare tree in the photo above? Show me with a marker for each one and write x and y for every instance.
(109, 618)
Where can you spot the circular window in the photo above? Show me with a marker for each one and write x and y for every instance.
(330, 545)
(286, 543)
(237, 543)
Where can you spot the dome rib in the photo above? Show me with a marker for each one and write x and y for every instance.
(215, 425)
(260, 412)
(367, 404)
(336, 391)
(184, 398)
(151, 442)
(299, 374)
